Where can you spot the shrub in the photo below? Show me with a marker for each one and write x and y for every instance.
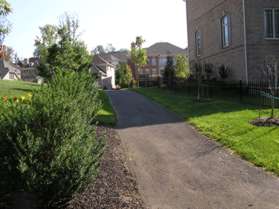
(208, 69)
(224, 71)
(52, 149)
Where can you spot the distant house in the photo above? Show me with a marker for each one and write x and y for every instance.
(239, 34)
(105, 66)
(9, 71)
(105, 71)
(30, 74)
(157, 59)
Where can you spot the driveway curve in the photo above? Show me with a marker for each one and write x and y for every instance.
(177, 168)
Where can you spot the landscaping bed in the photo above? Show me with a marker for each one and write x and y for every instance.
(266, 122)
(115, 186)
(227, 122)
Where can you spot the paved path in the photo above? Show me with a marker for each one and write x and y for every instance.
(177, 168)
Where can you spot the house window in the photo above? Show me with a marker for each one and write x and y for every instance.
(198, 43)
(225, 22)
(152, 61)
(163, 61)
(271, 23)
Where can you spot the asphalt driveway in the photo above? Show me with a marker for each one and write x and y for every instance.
(177, 168)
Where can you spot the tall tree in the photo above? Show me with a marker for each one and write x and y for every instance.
(5, 10)
(99, 50)
(110, 48)
(59, 48)
(69, 27)
(138, 54)
(49, 36)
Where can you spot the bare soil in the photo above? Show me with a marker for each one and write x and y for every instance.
(115, 186)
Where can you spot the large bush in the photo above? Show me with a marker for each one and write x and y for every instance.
(48, 144)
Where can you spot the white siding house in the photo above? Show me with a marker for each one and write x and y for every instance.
(8, 71)
(105, 72)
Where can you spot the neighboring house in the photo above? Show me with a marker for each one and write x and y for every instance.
(30, 74)
(239, 34)
(105, 71)
(9, 71)
(105, 66)
(157, 59)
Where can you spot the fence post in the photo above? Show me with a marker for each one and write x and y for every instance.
(240, 91)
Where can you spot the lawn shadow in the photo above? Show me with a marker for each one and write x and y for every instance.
(134, 110)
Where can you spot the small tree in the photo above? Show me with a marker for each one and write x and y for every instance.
(169, 71)
(124, 75)
(138, 54)
(182, 67)
(198, 68)
(271, 75)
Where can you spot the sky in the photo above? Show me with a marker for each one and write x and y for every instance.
(102, 22)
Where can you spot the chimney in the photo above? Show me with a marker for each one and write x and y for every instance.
(2, 51)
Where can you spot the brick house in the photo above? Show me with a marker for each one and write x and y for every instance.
(239, 34)
(157, 59)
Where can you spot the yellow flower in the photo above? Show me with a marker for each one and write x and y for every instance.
(23, 98)
(29, 95)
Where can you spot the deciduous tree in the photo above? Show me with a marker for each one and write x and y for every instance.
(138, 54)
(5, 10)
(59, 48)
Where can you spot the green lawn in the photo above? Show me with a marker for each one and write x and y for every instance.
(106, 115)
(226, 122)
(16, 88)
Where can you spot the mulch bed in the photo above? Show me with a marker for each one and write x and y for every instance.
(266, 122)
(115, 186)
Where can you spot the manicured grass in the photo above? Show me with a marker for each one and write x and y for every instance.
(106, 115)
(16, 88)
(226, 122)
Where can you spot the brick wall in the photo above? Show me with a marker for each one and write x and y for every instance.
(257, 46)
(205, 16)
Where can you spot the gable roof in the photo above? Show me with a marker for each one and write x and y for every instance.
(116, 57)
(164, 48)
(8, 67)
(101, 60)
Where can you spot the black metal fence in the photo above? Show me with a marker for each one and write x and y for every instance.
(254, 92)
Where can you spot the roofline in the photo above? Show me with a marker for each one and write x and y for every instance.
(105, 61)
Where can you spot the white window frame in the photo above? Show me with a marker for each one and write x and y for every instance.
(273, 26)
(198, 46)
(225, 43)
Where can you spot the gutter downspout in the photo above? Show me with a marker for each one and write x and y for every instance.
(187, 26)
(245, 41)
